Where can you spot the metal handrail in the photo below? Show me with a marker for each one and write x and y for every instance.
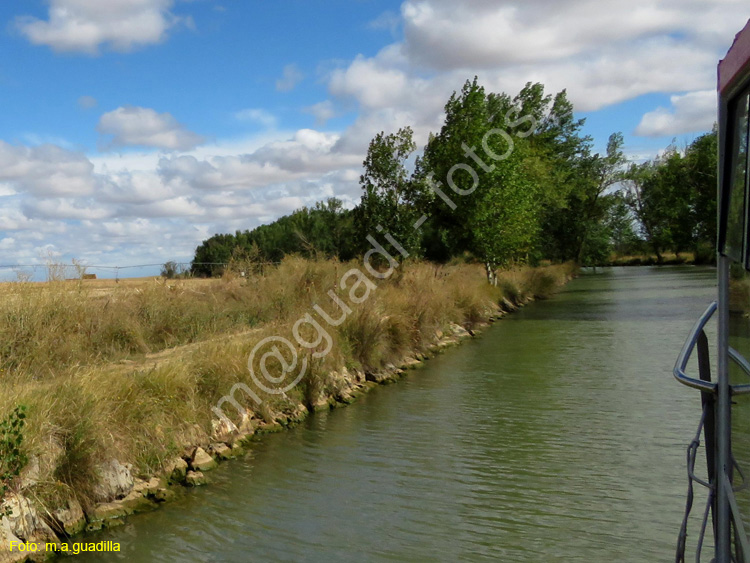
(720, 487)
(744, 365)
(687, 350)
(740, 534)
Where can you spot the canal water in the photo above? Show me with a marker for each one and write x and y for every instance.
(558, 435)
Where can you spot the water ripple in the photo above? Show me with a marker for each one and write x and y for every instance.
(557, 436)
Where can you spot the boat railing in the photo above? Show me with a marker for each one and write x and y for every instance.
(697, 338)
(687, 350)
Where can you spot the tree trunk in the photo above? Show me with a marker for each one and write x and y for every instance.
(659, 257)
(579, 253)
(491, 273)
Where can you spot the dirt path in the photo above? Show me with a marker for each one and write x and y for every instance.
(155, 358)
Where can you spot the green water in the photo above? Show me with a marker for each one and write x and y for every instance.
(558, 435)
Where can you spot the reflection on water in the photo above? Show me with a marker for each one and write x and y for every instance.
(559, 435)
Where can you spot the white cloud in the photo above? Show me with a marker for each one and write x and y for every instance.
(46, 170)
(138, 229)
(611, 76)
(322, 112)
(12, 219)
(145, 206)
(137, 126)
(148, 207)
(87, 102)
(137, 187)
(87, 25)
(260, 116)
(306, 155)
(291, 76)
(603, 53)
(182, 206)
(6, 190)
(481, 34)
(62, 208)
(388, 20)
(377, 82)
(691, 112)
(308, 152)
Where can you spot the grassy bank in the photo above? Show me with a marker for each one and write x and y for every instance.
(130, 372)
(668, 259)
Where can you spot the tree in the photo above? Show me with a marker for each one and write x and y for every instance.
(385, 205)
(505, 180)
(636, 195)
(477, 181)
(326, 229)
(212, 254)
(170, 270)
(602, 173)
(567, 168)
(701, 159)
(332, 229)
(620, 224)
(674, 197)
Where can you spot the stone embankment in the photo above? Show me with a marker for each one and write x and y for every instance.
(120, 494)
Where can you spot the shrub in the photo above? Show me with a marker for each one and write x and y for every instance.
(541, 284)
(364, 331)
(510, 291)
(705, 254)
(12, 457)
(170, 270)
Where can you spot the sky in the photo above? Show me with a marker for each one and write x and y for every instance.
(132, 130)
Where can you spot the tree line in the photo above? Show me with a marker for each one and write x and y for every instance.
(505, 180)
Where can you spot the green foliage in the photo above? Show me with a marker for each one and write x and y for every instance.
(597, 244)
(705, 253)
(212, 253)
(12, 457)
(325, 230)
(76, 434)
(621, 226)
(385, 204)
(572, 181)
(506, 180)
(700, 160)
(674, 198)
(483, 160)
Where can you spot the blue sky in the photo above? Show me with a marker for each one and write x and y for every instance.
(202, 76)
(134, 129)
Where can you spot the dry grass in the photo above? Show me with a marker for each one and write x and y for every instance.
(46, 328)
(100, 379)
(668, 259)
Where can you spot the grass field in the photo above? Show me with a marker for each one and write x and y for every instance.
(130, 370)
